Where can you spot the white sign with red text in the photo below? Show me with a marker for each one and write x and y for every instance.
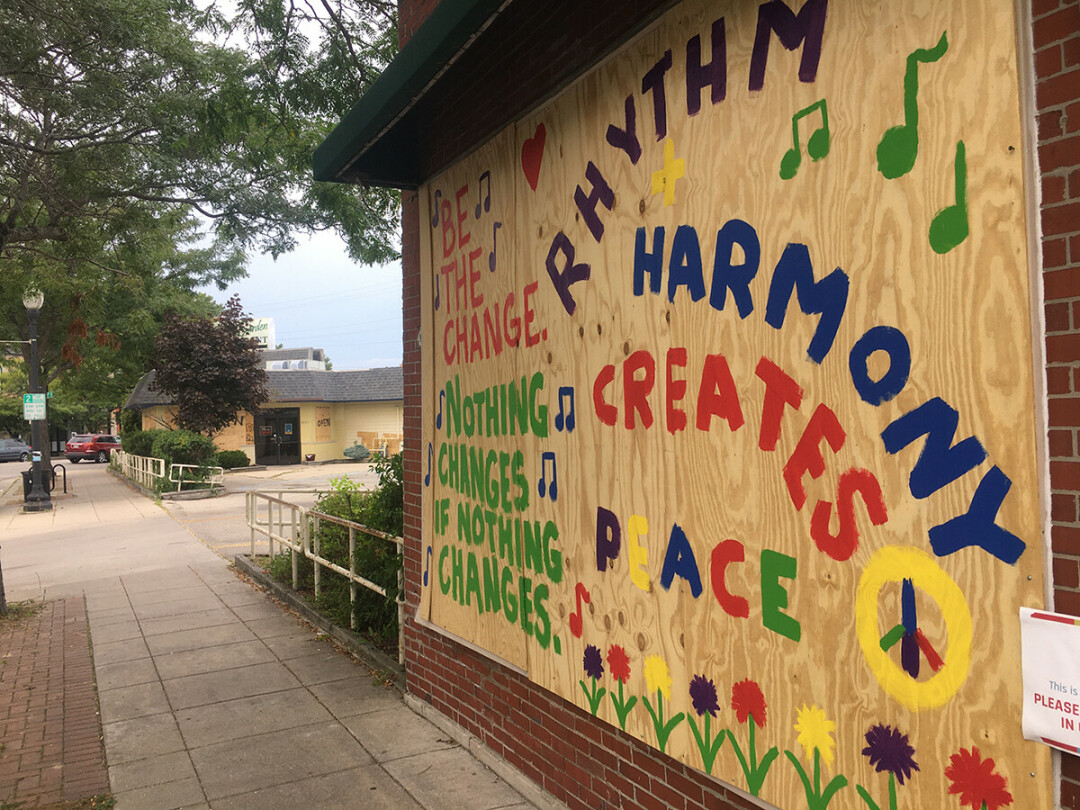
(1050, 644)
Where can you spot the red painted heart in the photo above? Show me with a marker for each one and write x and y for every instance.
(532, 155)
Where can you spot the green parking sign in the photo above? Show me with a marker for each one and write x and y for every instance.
(33, 407)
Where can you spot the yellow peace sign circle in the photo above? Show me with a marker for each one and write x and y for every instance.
(894, 564)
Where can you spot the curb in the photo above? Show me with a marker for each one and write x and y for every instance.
(374, 658)
(149, 493)
(192, 494)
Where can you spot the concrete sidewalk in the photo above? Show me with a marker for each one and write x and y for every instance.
(211, 694)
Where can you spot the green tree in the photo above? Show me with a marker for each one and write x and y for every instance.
(97, 325)
(111, 107)
(210, 368)
(146, 146)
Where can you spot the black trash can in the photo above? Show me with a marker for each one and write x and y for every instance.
(27, 483)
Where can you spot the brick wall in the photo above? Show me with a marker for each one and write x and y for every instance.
(410, 14)
(589, 764)
(1056, 34)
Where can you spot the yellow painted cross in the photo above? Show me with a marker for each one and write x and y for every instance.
(664, 179)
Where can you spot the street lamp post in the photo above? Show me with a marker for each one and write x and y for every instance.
(39, 499)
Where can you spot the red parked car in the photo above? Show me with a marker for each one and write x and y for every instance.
(98, 446)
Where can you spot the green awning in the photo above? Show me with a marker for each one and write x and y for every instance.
(472, 67)
(359, 149)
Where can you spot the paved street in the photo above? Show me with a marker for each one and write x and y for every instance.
(220, 522)
(211, 694)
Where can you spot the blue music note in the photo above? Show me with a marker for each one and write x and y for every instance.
(430, 458)
(494, 246)
(542, 485)
(438, 417)
(427, 564)
(487, 200)
(435, 216)
(566, 395)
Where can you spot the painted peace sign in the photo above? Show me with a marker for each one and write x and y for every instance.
(913, 568)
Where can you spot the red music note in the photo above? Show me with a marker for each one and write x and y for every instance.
(582, 594)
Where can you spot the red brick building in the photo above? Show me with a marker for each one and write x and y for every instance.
(992, 99)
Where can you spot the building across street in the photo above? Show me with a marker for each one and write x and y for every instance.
(313, 414)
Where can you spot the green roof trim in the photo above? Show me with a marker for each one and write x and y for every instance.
(441, 37)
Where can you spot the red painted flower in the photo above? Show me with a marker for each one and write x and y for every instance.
(618, 663)
(975, 779)
(747, 701)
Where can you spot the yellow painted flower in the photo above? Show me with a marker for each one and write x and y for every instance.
(657, 676)
(815, 733)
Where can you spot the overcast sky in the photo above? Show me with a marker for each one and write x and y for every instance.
(319, 297)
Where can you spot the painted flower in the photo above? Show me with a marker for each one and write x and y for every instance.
(815, 733)
(975, 779)
(888, 750)
(594, 669)
(703, 695)
(593, 662)
(815, 737)
(657, 676)
(619, 663)
(658, 682)
(748, 701)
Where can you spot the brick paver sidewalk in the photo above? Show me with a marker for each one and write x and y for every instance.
(51, 748)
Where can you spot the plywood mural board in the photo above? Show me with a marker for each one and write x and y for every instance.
(323, 428)
(732, 400)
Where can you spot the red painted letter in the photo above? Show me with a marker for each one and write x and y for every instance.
(674, 391)
(780, 389)
(806, 457)
(842, 545)
(608, 413)
(635, 391)
(717, 395)
(723, 555)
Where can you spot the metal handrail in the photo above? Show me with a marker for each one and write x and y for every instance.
(143, 470)
(297, 531)
(215, 476)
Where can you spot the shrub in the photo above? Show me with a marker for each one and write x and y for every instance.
(140, 443)
(376, 559)
(357, 452)
(130, 423)
(230, 459)
(385, 509)
(183, 447)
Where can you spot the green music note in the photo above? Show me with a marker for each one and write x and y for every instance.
(950, 225)
(899, 145)
(817, 145)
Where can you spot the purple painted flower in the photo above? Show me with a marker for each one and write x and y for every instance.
(703, 695)
(888, 750)
(593, 662)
